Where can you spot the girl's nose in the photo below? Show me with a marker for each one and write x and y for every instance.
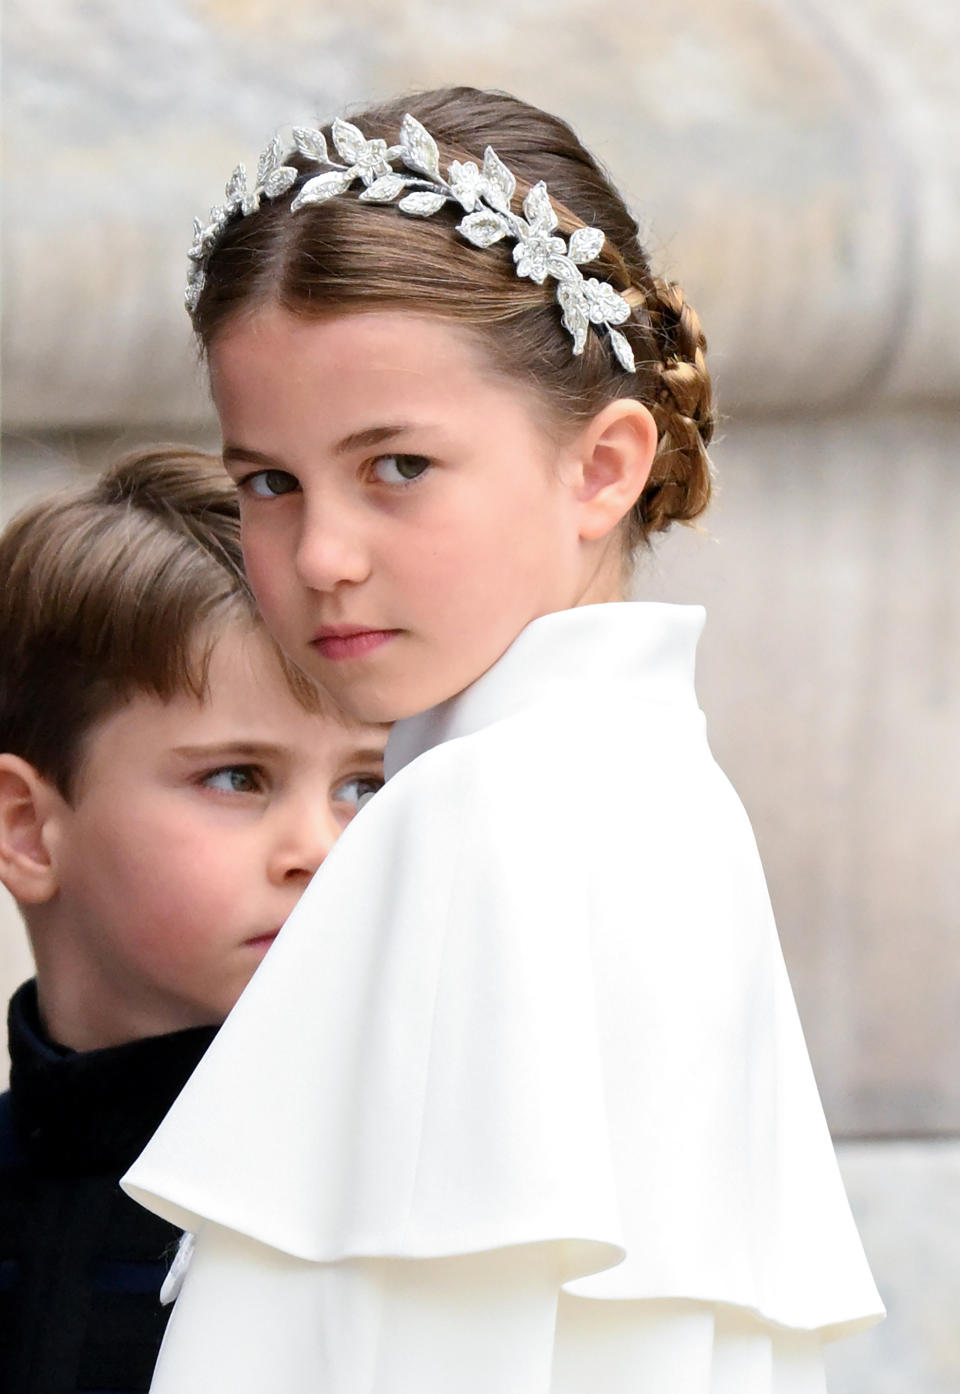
(331, 551)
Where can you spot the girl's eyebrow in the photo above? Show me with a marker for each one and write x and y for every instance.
(238, 454)
(356, 440)
(371, 435)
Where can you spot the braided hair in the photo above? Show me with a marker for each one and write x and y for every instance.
(343, 255)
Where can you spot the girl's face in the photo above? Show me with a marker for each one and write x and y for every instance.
(405, 513)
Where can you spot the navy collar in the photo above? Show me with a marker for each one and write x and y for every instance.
(83, 1112)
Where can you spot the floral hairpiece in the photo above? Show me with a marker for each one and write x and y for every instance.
(484, 194)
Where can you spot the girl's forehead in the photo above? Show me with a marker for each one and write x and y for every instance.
(350, 368)
(361, 339)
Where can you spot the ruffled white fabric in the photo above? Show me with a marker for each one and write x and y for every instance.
(519, 1099)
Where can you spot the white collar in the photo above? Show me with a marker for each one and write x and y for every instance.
(649, 645)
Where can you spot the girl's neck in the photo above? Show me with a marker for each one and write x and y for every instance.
(605, 583)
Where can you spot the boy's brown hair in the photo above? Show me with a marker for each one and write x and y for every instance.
(113, 588)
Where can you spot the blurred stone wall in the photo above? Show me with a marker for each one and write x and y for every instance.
(799, 162)
(797, 166)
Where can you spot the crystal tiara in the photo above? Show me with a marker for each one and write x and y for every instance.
(484, 193)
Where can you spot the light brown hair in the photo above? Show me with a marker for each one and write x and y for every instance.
(113, 588)
(348, 256)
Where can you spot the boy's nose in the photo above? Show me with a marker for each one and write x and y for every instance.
(330, 551)
(303, 845)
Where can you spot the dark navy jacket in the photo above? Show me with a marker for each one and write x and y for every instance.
(81, 1264)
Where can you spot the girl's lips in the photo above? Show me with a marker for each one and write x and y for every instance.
(350, 644)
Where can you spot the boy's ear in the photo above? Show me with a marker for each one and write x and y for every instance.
(28, 803)
(615, 452)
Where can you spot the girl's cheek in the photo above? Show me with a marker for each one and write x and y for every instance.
(260, 543)
(268, 571)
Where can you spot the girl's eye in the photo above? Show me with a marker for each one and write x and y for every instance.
(234, 779)
(358, 790)
(400, 469)
(269, 484)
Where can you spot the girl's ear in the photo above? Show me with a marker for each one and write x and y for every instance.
(614, 453)
(28, 805)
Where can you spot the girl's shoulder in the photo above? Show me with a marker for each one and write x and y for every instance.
(567, 737)
(626, 782)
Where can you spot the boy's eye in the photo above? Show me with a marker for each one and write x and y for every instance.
(269, 484)
(234, 779)
(400, 469)
(358, 790)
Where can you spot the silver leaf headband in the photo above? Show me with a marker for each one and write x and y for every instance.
(484, 194)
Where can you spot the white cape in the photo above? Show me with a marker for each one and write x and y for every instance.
(519, 1103)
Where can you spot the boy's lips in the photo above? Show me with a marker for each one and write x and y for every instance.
(338, 641)
(263, 941)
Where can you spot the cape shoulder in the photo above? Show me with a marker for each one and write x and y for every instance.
(534, 995)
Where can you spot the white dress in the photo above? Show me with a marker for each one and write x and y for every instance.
(519, 1103)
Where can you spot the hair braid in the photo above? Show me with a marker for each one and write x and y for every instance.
(680, 480)
(345, 255)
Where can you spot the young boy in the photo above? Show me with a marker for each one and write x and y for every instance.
(168, 785)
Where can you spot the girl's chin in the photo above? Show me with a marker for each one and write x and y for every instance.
(385, 684)
(380, 704)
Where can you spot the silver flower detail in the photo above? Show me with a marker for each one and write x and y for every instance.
(466, 184)
(484, 193)
(280, 181)
(204, 237)
(418, 149)
(239, 198)
(311, 143)
(322, 187)
(499, 184)
(539, 211)
(604, 305)
(384, 189)
(536, 248)
(586, 244)
(533, 256)
(576, 320)
(368, 161)
(422, 203)
(273, 176)
(196, 280)
(623, 351)
(483, 228)
(366, 158)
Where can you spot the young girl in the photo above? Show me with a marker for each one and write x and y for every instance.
(527, 1110)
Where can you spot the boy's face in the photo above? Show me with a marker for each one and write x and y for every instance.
(195, 828)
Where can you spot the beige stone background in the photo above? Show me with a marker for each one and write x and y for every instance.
(798, 166)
